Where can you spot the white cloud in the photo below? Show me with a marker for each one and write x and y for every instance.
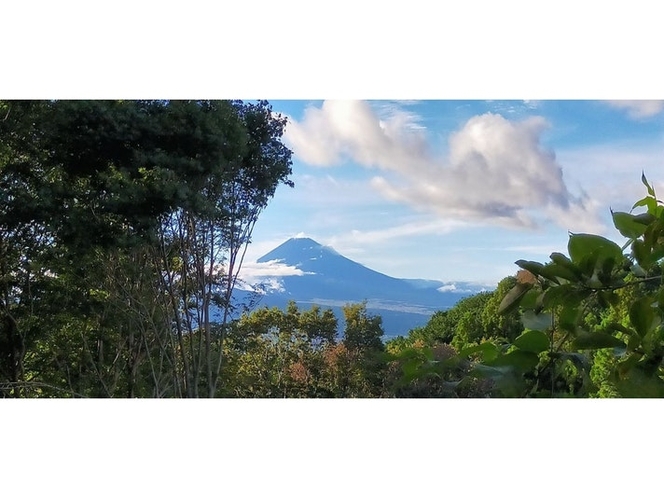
(496, 172)
(639, 109)
(347, 128)
(253, 272)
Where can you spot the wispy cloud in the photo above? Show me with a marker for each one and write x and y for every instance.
(639, 109)
(426, 226)
(496, 171)
(611, 172)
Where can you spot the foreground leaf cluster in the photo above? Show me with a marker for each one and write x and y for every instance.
(592, 319)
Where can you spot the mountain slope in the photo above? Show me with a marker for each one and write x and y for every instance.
(332, 280)
(329, 275)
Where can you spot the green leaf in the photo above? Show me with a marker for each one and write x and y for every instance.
(657, 253)
(531, 300)
(642, 315)
(563, 261)
(487, 349)
(583, 247)
(641, 253)
(637, 384)
(569, 316)
(579, 360)
(629, 225)
(649, 202)
(487, 371)
(618, 327)
(565, 295)
(645, 218)
(626, 365)
(506, 380)
(532, 266)
(660, 298)
(596, 340)
(651, 191)
(608, 298)
(513, 297)
(533, 341)
(534, 321)
(524, 361)
(555, 271)
(552, 271)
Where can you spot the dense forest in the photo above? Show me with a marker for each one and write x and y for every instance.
(124, 224)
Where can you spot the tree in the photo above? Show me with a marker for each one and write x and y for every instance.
(363, 332)
(595, 299)
(280, 353)
(90, 186)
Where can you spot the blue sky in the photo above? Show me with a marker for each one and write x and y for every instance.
(459, 189)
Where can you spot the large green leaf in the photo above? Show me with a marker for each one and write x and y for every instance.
(629, 225)
(579, 360)
(513, 297)
(561, 260)
(585, 247)
(643, 316)
(641, 253)
(596, 340)
(552, 271)
(560, 273)
(532, 266)
(487, 371)
(637, 384)
(523, 361)
(569, 317)
(532, 300)
(533, 341)
(487, 349)
(649, 202)
(507, 381)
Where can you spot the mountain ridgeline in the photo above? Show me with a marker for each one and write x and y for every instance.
(331, 280)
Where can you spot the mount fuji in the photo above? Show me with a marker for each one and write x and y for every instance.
(304, 271)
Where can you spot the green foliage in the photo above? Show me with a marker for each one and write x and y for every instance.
(435, 360)
(597, 299)
(590, 324)
(293, 353)
(363, 332)
(115, 219)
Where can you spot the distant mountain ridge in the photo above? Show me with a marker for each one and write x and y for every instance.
(329, 279)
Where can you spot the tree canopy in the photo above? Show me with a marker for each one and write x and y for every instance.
(121, 224)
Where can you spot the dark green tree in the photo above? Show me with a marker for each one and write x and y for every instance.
(87, 187)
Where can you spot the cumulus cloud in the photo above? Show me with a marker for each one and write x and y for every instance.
(639, 109)
(351, 129)
(495, 171)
